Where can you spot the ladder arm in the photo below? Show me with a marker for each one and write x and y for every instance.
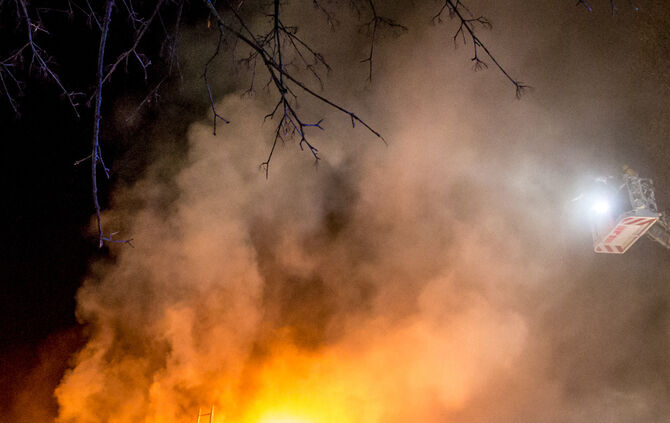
(660, 232)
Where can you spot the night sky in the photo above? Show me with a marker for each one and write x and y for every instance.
(457, 237)
(47, 206)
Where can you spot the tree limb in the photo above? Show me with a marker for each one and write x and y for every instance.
(455, 9)
(96, 152)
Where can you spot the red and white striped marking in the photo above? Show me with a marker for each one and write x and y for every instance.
(639, 221)
(624, 234)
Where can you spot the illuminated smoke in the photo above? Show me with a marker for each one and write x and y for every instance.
(437, 279)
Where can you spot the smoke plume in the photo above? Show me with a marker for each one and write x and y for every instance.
(440, 278)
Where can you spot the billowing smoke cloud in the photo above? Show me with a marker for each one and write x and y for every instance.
(439, 278)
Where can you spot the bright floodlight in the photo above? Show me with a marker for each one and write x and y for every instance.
(601, 207)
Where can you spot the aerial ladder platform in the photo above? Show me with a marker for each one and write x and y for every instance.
(615, 235)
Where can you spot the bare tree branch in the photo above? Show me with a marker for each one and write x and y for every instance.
(215, 115)
(456, 9)
(372, 26)
(612, 4)
(38, 55)
(96, 151)
(289, 123)
(141, 59)
(288, 59)
(151, 97)
(96, 155)
(330, 19)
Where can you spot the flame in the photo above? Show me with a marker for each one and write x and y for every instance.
(273, 418)
(377, 376)
(295, 386)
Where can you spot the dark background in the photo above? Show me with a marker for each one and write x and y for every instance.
(46, 207)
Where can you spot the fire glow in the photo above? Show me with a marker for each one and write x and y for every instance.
(272, 418)
(378, 375)
(298, 388)
(289, 324)
(412, 279)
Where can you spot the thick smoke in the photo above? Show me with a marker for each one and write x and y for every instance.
(440, 278)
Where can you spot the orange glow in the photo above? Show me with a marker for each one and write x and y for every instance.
(377, 376)
(383, 372)
(298, 387)
(273, 319)
(274, 418)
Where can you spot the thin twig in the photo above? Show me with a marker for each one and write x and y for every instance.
(372, 25)
(37, 55)
(215, 114)
(467, 26)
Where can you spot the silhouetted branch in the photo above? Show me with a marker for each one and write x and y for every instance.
(298, 47)
(250, 63)
(330, 19)
(209, 89)
(39, 56)
(612, 4)
(171, 43)
(149, 98)
(286, 56)
(110, 239)
(585, 4)
(268, 48)
(466, 27)
(5, 68)
(142, 60)
(96, 151)
(372, 26)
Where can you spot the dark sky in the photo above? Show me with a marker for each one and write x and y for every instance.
(47, 202)
(47, 205)
(386, 255)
